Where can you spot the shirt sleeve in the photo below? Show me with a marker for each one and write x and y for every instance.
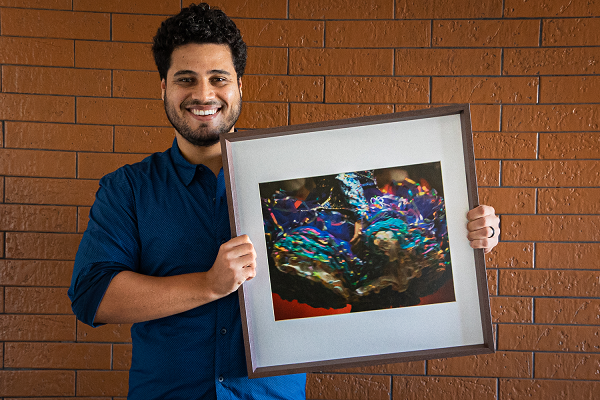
(109, 245)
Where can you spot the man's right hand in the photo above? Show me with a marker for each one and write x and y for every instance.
(235, 264)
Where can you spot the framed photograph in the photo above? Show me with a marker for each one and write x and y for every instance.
(359, 226)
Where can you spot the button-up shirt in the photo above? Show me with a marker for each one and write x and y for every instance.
(162, 217)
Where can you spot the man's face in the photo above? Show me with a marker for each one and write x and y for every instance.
(202, 93)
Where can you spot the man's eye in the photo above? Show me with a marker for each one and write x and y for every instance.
(185, 80)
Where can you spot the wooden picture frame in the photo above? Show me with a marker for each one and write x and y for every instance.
(278, 344)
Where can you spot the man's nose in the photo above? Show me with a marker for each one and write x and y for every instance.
(203, 92)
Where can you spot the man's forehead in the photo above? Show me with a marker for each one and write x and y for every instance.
(202, 58)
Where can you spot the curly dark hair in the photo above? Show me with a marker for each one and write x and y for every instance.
(198, 24)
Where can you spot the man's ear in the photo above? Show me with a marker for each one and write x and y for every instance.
(163, 87)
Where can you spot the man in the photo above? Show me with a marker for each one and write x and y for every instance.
(158, 251)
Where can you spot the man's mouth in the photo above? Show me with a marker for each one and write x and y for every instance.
(203, 112)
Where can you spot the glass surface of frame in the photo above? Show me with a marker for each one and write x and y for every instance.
(359, 227)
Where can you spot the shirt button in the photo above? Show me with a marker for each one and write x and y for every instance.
(214, 199)
(223, 331)
(221, 379)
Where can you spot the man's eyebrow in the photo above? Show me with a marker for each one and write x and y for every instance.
(184, 72)
(219, 71)
(212, 71)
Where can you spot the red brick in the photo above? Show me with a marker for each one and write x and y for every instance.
(569, 89)
(37, 328)
(552, 61)
(486, 33)
(50, 191)
(37, 218)
(121, 112)
(33, 51)
(505, 145)
(136, 84)
(567, 255)
(549, 283)
(510, 255)
(542, 8)
(111, 333)
(304, 113)
(447, 62)
(341, 61)
(37, 301)
(500, 364)
(61, 81)
(55, 24)
(284, 33)
(570, 145)
(267, 61)
(348, 387)
(135, 28)
(438, 9)
(131, 6)
(484, 90)
(511, 309)
(102, 383)
(548, 338)
(51, 4)
(24, 107)
(96, 165)
(133, 139)
(524, 118)
(37, 163)
(567, 366)
(488, 173)
(83, 214)
(283, 88)
(540, 389)
(2, 241)
(341, 9)
(121, 357)
(522, 201)
(378, 34)
(250, 8)
(492, 281)
(570, 173)
(263, 115)
(558, 228)
(567, 311)
(28, 135)
(35, 273)
(418, 388)
(377, 90)
(37, 383)
(485, 117)
(571, 32)
(42, 246)
(404, 368)
(57, 355)
(569, 201)
(113, 55)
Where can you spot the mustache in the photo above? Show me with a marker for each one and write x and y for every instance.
(191, 103)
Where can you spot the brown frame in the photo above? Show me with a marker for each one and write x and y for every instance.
(229, 140)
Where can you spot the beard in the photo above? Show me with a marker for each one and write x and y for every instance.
(204, 135)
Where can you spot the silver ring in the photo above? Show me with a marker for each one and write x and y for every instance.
(493, 232)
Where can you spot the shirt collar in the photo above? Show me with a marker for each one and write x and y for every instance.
(185, 169)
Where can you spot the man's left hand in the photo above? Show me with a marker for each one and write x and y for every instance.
(483, 227)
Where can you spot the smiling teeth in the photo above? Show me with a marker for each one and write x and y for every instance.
(203, 112)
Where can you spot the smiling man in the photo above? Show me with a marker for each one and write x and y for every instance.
(158, 251)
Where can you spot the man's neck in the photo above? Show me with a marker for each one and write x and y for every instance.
(210, 156)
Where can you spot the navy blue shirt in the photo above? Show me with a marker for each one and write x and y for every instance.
(161, 217)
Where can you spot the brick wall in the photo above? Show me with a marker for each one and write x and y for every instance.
(80, 97)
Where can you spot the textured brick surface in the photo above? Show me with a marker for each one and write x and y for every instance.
(488, 173)
(524, 118)
(50, 191)
(96, 165)
(34, 51)
(121, 356)
(132, 6)
(415, 388)
(304, 113)
(62, 81)
(567, 255)
(486, 33)
(485, 117)
(581, 60)
(569, 173)
(568, 228)
(121, 112)
(55, 24)
(484, 90)
(549, 338)
(52, 164)
(447, 61)
(567, 311)
(341, 62)
(37, 327)
(541, 8)
(348, 387)
(263, 115)
(250, 8)
(571, 32)
(37, 218)
(36, 300)
(448, 9)
(57, 355)
(511, 309)
(37, 383)
(49, 4)
(27, 135)
(569, 201)
(133, 139)
(115, 55)
(341, 9)
(548, 389)
(35, 273)
(378, 34)
(135, 28)
(570, 145)
(42, 246)
(522, 200)
(265, 60)
(505, 145)
(405, 368)
(569, 89)
(511, 255)
(567, 366)
(283, 88)
(285, 33)
(120, 333)
(549, 283)
(136, 84)
(377, 90)
(22, 107)
(102, 383)
(500, 364)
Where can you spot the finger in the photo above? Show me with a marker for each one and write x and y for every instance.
(480, 211)
(482, 222)
(231, 253)
(486, 244)
(237, 241)
(486, 232)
